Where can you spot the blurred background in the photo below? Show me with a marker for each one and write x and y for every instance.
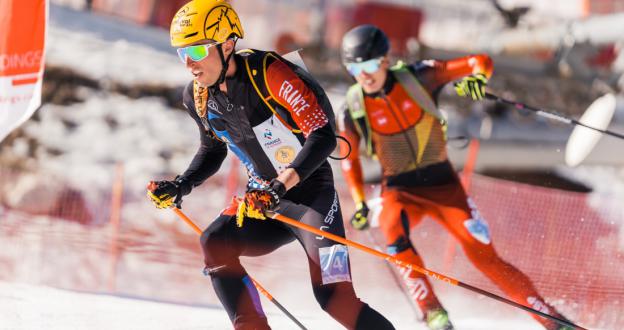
(73, 210)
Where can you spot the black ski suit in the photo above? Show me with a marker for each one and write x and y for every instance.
(300, 136)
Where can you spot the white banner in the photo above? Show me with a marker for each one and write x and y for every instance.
(23, 25)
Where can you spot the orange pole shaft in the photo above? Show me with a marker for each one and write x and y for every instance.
(364, 248)
(187, 220)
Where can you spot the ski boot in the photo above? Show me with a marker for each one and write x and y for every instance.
(437, 319)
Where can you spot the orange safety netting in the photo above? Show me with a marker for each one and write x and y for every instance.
(570, 245)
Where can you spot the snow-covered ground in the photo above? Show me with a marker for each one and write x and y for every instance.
(29, 307)
(25, 306)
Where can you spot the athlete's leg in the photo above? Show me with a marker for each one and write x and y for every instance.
(329, 264)
(395, 220)
(222, 243)
(463, 220)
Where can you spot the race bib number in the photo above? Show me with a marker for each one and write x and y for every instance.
(335, 264)
(477, 227)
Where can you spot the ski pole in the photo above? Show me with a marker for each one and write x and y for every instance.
(256, 284)
(550, 115)
(421, 270)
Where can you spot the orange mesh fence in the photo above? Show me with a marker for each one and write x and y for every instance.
(43, 194)
(569, 244)
(59, 235)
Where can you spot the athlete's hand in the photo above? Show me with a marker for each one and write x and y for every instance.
(257, 201)
(472, 86)
(165, 194)
(359, 220)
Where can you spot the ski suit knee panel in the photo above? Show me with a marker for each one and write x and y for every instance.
(390, 225)
(217, 251)
(395, 226)
(478, 252)
(340, 302)
(206, 238)
(340, 293)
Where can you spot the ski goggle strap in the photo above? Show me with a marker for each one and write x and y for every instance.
(195, 53)
(370, 66)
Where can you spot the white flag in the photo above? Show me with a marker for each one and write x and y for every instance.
(23, 25)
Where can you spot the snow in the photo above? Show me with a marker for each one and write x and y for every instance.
(30, 307)
(143, 130)
(27, 307)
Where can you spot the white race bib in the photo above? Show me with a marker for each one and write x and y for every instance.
(277, 142)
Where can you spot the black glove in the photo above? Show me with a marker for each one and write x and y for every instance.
(359, 220)
(165, 194)
(257, 201)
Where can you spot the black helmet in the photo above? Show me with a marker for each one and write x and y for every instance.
(363, 43)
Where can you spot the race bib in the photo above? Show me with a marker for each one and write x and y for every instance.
(277, 142)
(334, 264)
(477, 226)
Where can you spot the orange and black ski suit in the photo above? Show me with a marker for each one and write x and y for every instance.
(419, 181)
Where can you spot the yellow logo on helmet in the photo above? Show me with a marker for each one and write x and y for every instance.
(205, 19)
(181, 22)
(222, 22)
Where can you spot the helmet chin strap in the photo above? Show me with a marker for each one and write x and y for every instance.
(225, 64)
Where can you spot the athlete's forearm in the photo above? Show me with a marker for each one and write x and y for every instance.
(352, 170)
(205, 164)
(455, 69)
(351, 166)
(464, 66)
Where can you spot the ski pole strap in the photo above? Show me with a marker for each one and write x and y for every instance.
(340, 137)
(421, 270)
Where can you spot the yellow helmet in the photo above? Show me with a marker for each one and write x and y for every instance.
(205, 19)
